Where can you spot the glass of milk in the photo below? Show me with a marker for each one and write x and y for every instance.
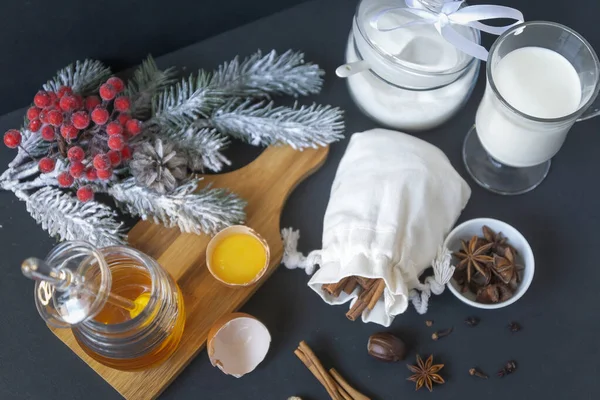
(542, 77)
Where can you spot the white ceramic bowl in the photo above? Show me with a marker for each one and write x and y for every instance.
(466, 230)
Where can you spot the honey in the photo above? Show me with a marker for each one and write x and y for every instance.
(131, 283)
(134, 283)
(238, 259)
(124, 309)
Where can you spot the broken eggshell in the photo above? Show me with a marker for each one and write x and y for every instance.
(237, 343)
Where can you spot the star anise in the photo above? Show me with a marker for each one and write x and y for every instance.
(494, 293)
(505, 267)
(498, 241)
(425, 373)
(474, 256)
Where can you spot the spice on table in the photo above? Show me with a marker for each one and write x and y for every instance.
(370, 291)
(425, 373)
(487, 267)
(336, 386)
(386, 347)
(509, 368)
(472, 321)
(514, 327)
(440, 334)
(477, 373)
(429, 322)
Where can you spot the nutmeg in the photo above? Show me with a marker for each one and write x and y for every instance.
(386, 347)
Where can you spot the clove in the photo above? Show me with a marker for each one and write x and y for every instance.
(429, 322)
(477, 373)
(472, 321)
(440, 334)
(509, 368)
(514, 327)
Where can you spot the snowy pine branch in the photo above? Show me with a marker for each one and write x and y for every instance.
(184, 102)
(272, 74)
(83, 77)
(147, 80)
(16, 179)
(65, 217)
(260, 124)
(202, 147)
(32, 145)
(208, 210)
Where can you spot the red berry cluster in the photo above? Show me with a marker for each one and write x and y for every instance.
(75, 121)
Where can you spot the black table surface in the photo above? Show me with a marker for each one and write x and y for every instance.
(557, 351)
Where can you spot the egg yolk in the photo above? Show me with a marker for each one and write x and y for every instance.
(238, 258)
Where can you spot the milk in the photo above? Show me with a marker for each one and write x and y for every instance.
(539, 83)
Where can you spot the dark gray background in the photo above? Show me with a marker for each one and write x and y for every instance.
(41, 36)
(557, 351)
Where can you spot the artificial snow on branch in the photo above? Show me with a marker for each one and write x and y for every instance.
(203, 147)
(272, 74)
(260, 124)
(83, 77)
(141, 142)
(186, 101)
(32, 145)
(206, 211)
(147, 80)
(65, 217)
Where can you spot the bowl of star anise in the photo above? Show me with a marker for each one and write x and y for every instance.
(493, 261)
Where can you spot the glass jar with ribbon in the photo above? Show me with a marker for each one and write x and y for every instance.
(412, 64)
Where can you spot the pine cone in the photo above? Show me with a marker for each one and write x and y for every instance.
(157, 166)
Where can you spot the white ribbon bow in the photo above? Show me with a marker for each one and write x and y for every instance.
(452, 13)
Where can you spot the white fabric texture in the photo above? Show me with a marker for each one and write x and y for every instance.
(393, 201)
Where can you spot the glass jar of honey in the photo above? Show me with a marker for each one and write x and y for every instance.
(123, 308)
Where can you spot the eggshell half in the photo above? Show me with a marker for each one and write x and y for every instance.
(237, 343)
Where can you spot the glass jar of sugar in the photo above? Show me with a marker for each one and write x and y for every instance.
(401, 72)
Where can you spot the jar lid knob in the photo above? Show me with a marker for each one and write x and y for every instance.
(72, 285)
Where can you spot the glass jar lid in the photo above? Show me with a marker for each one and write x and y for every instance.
(78, 287)
(403, 48)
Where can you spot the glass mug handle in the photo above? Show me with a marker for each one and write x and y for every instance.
(592, 111)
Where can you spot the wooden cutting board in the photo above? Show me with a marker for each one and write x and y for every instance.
(265, 184)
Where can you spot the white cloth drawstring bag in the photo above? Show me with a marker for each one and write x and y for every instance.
(393, 201)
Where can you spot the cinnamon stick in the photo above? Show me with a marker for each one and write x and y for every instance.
(335, 289)
(366, 283)
(344, 394)
(357, 309)
(363, 301)
(377, 292)
(312, 368)
(355, 394)
(330, 383)
(350, 285)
